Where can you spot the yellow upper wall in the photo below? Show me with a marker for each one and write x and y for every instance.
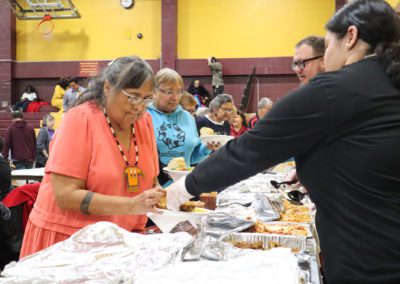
(248, 28)
(393, 2)
(105, 31)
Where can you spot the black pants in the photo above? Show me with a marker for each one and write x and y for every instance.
(22, 105)
(218, 90)
(21, 165)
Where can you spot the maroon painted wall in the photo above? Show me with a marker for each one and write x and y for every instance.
(273, 87)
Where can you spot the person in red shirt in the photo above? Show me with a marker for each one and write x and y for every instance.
(20, 138)
(238, 124)
(264, 105)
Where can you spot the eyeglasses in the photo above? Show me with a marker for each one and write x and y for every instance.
(171, 93)
(134, 100)
(301, 64)
(226, 110)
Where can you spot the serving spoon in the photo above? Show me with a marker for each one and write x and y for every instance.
(276, 184)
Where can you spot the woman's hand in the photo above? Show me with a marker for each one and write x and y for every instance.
(146, 202)
(213, 146)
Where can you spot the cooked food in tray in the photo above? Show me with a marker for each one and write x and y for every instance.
(248, 245)
(259, 245)
(295, 213)
(281, 229)
(178, 164)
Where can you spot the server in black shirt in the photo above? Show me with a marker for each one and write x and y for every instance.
(343, 128)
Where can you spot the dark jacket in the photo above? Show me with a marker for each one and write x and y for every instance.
(200, 91)
(253, 121)
(343, 128)
(5, 177)
(20, 138)
(43, 142)
(219, 129)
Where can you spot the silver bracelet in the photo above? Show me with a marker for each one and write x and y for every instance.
(85, 203)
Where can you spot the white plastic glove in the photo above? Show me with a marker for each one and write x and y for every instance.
(177, 195)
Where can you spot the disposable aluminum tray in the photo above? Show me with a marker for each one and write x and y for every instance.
(293, 242)
(306, 225)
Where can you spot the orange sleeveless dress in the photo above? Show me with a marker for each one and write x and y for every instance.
(84, 148)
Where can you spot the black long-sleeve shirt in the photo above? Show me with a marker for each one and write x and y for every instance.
(343, 128)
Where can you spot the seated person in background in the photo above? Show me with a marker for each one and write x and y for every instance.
(308, 59)
(43, 141)
(264, 106)
(5, 174)
(72, 94)
(27, 97)
(59, 92)
(220, 114)
(188, 103)
(20, 138)
(200, 93)
(174, 128)
(238, 124)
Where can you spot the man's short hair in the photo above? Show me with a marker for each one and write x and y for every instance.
(74, 80)
(264, 102)
(17, 114)
(317, 44)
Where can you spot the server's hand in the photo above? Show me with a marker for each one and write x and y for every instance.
(177, 195)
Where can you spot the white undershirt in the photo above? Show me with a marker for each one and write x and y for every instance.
(213, 121)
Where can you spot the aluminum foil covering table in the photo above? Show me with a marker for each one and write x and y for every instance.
(105, 253)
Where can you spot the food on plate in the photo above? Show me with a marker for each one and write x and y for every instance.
(205, 131)
(190, 206)
(281, 229)
(295, 213)
(200, 210)
(178, 164)
(210, 200)
(163, 203)
(258, 245)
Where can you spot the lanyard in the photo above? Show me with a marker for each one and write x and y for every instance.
(119, 145)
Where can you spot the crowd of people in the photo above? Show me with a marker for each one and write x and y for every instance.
(341, 126)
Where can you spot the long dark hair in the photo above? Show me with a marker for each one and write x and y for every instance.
(32, 89)
(63, 82)
(378, 25)
(243, 116)
(122, 73)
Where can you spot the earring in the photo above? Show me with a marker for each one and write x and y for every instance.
(347, 44)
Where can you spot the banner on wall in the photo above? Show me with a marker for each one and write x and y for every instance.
(89, 68)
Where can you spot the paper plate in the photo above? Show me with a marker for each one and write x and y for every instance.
(169, 219)
(176, 175)
(222, 139)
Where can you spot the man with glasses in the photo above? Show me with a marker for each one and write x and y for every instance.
(308, 62)
(308, 59)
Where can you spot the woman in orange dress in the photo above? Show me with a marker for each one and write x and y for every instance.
(103, 163)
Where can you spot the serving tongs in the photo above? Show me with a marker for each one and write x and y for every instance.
(293, 196)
